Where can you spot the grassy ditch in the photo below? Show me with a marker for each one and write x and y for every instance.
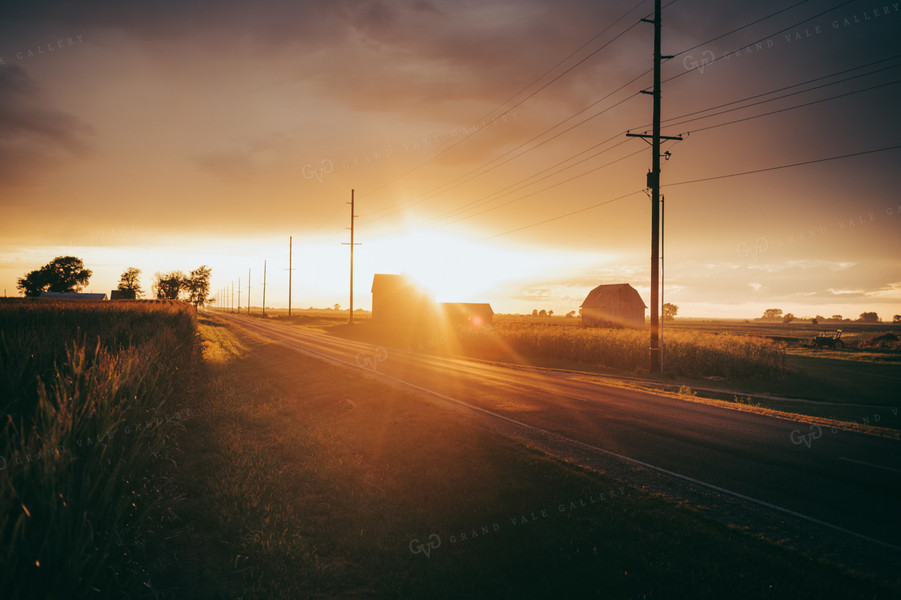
(307, 480)
(92, 401)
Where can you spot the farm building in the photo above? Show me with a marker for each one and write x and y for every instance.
(397, 298)
(71, 296)
(122, 295)
(614, 305)
(474, 313)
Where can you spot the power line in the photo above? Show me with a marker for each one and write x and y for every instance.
(776, 168)
(788, 87)
(700, 180)
(737, 29)
(781, 110)
(558, 184)
(715, 58)
(575, 212)
(523, 90)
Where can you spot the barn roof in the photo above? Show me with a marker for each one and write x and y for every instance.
(385, 282)
(603, 295)
(72, 296)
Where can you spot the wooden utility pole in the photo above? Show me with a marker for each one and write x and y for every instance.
(232, 301)
(248, 292)
(239, 294)
(290, 269)
(653, 182)
(264, 288)
(352, 244)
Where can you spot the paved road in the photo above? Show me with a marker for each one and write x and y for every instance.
(844, 482)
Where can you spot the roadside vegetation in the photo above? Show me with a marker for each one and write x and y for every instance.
(92, 398)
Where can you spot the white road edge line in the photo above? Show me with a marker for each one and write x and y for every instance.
(602, 450)
(860, 462)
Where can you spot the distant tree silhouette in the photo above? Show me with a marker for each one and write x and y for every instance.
(788, 318)
(542, 313)
(168, 286)
(62, 274)
(868, 317)
(550, 313)
(197, 285)
(896, 319)
(571, 314)
(771, 314)
(129, 282)
(337, 307)
(815, 320)
(669, 311)
(534, 312)
(837, 318)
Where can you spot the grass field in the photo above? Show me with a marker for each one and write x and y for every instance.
(91, 408)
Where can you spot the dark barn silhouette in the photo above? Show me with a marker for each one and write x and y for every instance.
(396, 298)
(613, 305)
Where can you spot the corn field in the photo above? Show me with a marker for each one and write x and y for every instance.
(90, 396)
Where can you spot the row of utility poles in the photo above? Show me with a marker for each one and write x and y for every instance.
(653, 182)
(225, 298)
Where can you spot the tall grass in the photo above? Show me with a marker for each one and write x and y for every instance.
(90, 396)
(686, 354)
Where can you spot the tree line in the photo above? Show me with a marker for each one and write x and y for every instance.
(68, 274)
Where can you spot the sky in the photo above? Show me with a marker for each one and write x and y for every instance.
(484, 142)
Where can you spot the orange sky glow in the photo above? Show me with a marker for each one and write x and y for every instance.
(489, 160)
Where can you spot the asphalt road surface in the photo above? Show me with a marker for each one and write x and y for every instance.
(833, 493)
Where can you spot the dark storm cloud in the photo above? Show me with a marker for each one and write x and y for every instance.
(34, 135)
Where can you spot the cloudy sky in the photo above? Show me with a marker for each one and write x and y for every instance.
(485, 141)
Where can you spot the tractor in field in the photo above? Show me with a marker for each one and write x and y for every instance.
(829, 341)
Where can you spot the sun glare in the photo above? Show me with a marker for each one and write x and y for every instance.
(455, 269)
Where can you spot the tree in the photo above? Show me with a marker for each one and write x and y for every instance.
(198, 286)
(550, 313)
(534, 312)
(168, 286)
(868, 317)
(837, 318)
(542, 313)
(129, 282)
(571, 314)
(669, 311)
(62, 274)
(771, 314)
(896, 319)
(788, 318)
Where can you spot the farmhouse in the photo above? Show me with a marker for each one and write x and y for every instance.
(122, 295)
(397, 298)
(71, 296)
(473, 313)
(614, 305)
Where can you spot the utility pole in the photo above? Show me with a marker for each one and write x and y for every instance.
(264, 288)
(352, 244)
(290, 269)
(654, 183)
(232, 301)
(239, 294)
(248, 292)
